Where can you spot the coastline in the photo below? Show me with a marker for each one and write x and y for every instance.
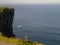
(16, 41)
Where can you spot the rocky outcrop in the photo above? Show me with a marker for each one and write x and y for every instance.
(6, 20)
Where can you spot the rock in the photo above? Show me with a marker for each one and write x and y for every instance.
(6, 20)
(26, 38)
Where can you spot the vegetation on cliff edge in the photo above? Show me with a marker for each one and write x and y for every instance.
(17, 41)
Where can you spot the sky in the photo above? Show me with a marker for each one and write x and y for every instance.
(29, 1)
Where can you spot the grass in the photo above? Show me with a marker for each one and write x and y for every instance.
(17, 41)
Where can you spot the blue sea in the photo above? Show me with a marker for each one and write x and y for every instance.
(40, 23)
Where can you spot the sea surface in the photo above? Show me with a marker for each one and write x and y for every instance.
(40, 23)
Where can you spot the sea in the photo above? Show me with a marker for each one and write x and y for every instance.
(40, 22)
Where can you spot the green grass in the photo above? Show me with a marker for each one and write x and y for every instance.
(4, 8)
(17, 41)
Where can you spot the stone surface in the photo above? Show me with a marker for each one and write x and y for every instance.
(6, 20)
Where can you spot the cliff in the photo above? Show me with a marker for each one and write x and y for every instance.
(6, 31)
(6, 20)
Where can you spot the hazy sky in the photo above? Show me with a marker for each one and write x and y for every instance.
(29, 1)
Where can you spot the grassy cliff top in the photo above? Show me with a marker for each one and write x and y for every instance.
(5, 8)
(16, 41)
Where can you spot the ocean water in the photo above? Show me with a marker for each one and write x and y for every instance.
(40, 23)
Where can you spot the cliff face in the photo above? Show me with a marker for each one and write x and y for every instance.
(6, 20)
